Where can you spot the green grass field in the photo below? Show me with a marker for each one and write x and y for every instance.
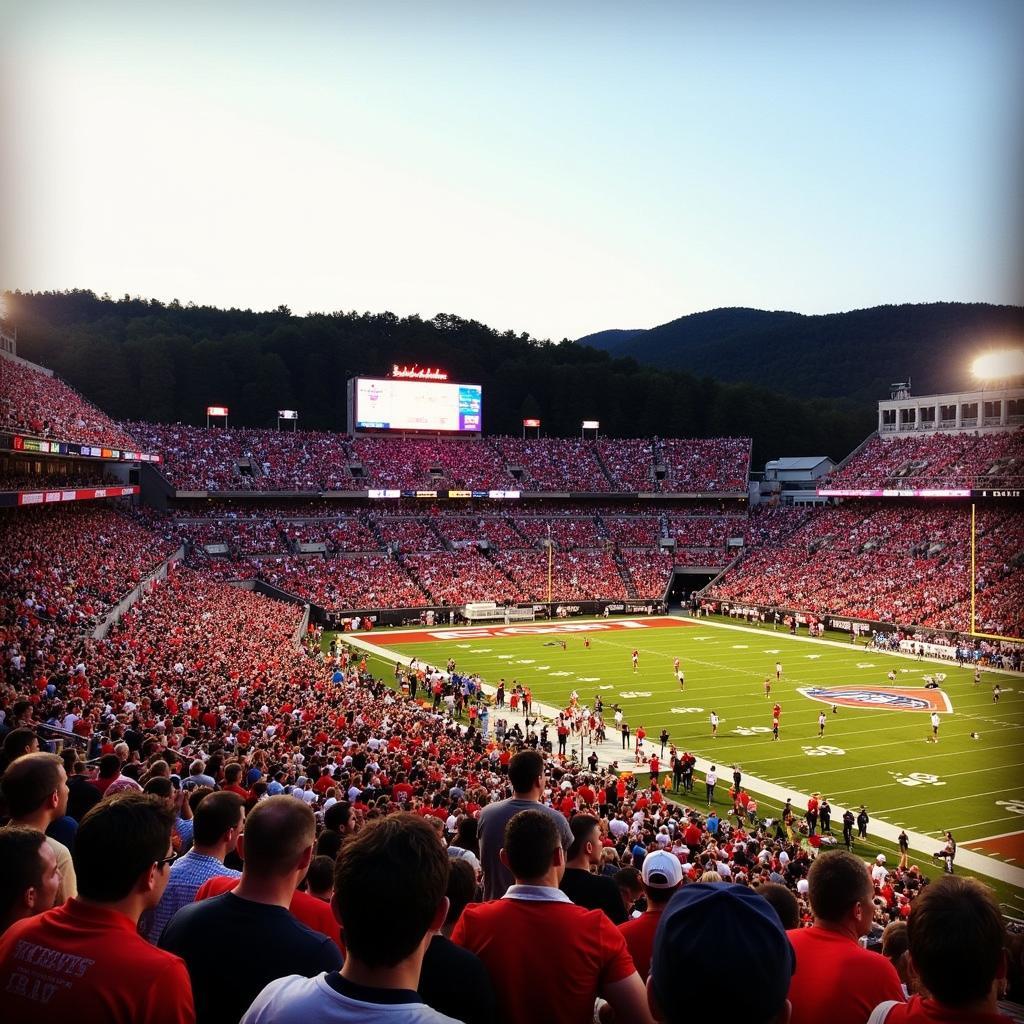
(878, 756)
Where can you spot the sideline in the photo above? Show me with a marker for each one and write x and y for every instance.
(608, 752)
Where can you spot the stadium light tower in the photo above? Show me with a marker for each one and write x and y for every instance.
(998, 365)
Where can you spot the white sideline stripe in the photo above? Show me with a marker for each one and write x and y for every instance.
(609, 752)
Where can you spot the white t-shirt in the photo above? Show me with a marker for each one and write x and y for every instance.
(295, 1000)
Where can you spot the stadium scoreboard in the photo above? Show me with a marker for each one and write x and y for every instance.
(387, 404)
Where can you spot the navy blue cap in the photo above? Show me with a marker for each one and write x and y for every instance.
(706, 929)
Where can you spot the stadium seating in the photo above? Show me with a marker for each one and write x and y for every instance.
(936, 460)
(880, 561)
(32, 402)
(239, 459)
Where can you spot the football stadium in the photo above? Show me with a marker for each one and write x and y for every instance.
(361, 667)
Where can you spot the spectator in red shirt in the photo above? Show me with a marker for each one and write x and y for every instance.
(30, 879)
(957, 956)
(582, 955)
(829, 957)
(84, 961)
(691, 980)
(662, 875)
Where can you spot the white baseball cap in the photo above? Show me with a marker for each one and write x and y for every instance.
(661, 870)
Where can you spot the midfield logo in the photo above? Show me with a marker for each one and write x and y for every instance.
(890, 698)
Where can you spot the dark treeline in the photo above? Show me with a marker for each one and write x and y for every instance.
(143, 359)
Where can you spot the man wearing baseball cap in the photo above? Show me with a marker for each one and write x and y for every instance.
(662, 875)
(699, 921)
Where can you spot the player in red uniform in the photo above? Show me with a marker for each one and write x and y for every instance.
(636, 659)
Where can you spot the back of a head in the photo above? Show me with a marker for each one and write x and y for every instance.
(956, 934)
(116, 841)
(784, 902)
(320, 876)
(389, 882)
(277, 832)
(215, 814)
(29, 781)
(524, 770)
(697, 924)
(158, 786)
(836, 881)
(109, 766)
(22, 866)
(895, 940)
(18, 742)
(531, 838)
(461, 889)
(582, 827)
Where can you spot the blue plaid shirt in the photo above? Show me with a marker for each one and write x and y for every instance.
(188, 874)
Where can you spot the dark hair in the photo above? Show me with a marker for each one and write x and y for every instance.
(895, 940)
(232, 773)
(29, 781)
(531, 839)
(320, 875)
(628, 878)
(389, 881)
(956, 934)
(328, 843)
(117, 840)
(467, 837)
(23, 867)
(276, 832)
(17, 742)
(524, 769)
(582, 826)
(836, 881)
(158, 786)
(109, 764)
(783, 901)
(338, 815)
(461, 889)
(214, 815)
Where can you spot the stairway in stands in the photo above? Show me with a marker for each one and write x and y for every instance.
(627, 576)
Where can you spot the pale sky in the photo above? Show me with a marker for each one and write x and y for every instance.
(556, 168)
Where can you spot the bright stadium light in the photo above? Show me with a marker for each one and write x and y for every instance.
(999, 365)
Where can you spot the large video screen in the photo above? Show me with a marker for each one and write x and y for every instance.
(417, 405)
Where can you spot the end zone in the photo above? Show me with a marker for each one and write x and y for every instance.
(525, 629)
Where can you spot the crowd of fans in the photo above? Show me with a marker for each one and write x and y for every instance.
(876, 561)
(14, 478)
(275, 815)
(33, 402)
(243, 459)
(959, 459)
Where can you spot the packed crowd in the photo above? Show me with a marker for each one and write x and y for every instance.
(13, 477)
(339, 848)
(875, 561)
(33, 402)
(960, 459)
(73, 561)
(243, 459)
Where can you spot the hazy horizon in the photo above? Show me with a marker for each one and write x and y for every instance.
(555, 169)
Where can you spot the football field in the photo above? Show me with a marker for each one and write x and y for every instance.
(876, 749)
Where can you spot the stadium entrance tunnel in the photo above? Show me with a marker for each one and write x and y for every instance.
(685, 582)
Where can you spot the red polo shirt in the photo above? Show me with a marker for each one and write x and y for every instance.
(828, 963)
(544, 945)
(639, 936)
(88, 964)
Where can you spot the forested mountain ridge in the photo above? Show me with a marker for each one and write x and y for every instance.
(853, 355)
(145, 359)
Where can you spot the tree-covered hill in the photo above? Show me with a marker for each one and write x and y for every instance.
(166, 362)
(854, 355)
